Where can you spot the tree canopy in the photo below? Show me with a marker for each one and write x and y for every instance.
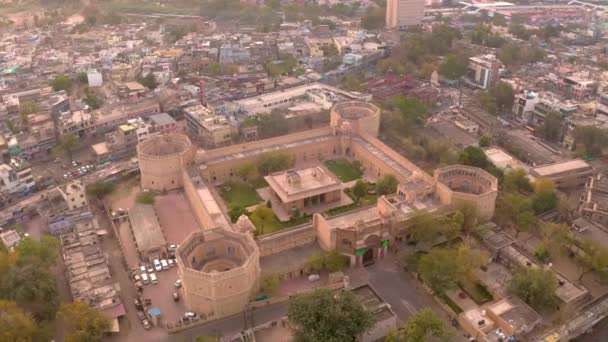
(591, 138)
(442, 268)
(535, 286)
(61, 82)
(453, 67)
(387, 185)
(324, 315)
(552, 127)
(83, 323)
(424, 326)
(15, 324)
(273, 162)
(67, 144)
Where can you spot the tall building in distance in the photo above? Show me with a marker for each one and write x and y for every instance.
(404, 13)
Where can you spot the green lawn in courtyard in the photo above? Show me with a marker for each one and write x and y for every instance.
(343, 169)
(239, 194)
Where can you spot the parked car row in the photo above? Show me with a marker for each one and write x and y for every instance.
(80, 171)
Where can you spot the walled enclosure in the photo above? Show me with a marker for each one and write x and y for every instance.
(469, 185)
(162, 159)
(220, 271)
(220, 268)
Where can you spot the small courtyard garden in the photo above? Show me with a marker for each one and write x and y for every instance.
(345, 170)
(239, 194)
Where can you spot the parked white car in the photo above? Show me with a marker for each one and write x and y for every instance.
(157, 266)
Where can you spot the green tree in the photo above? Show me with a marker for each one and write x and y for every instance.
(487, 101)
(545, 197)
(235, 212)
(558, 238)
(412, 112)
(514, 209)
(67, 144)
(424, 326)
(387, 185)
(594, 258)
(323, 315)
(82, 77)
(247, 171)
(273, 162)
(390, 65)
(499, 20)
(33, 287)
(270, 284)
(504, 96)
(148, 81)
(474, 156)
(551, 129)
(273, 124)
(517, 181)
(262, 217)
(439, 269)
(359, 190)
(15, 324)
(352, 83)
(524, 221)
(593, 139)
(99, 189)
(535, 286)
(61, 82)
(92, 99)
(520, 31)
(485, 141)
(331, 261)
(453, 67)
(42, 252)
(83, 323)
(423, 227)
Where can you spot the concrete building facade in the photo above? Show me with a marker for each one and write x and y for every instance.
(401, 14)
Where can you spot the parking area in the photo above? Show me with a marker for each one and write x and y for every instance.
(161, 296)
(175, 217)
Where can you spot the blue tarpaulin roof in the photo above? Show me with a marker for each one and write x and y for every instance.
(154, 312)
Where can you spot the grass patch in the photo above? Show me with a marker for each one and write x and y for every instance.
(450, 303)
(478, 293)
(343, 169)
(266, 226)
(239, 194)
(259, 183)
(146, 197)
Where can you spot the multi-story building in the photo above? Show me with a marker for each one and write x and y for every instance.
(483, 71)
(548, 104)
(74, 195)
(524, 104)
(121, 142)
(208, 127)
(576, 87)
(108, 118)
(162, 123)
(74, 122)
(401, 14)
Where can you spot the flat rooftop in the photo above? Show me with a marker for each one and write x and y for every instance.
(294, 185)
(557, 168)
(516, 313)
(146, 229)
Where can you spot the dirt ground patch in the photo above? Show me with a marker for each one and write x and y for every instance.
(175, 216)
